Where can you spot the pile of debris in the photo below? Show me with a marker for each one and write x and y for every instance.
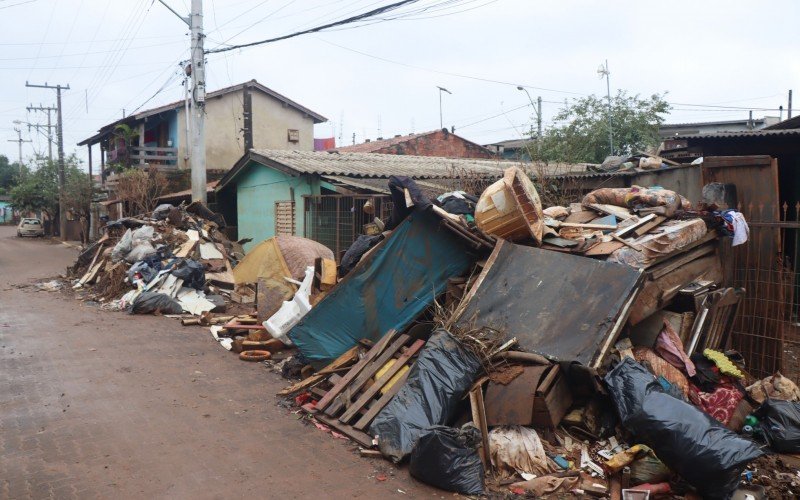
(579, 350)
(175, 261)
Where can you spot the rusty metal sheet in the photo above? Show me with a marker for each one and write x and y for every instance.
(562, 306)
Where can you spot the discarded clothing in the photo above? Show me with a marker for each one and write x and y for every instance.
(458, 202)
(670, 347)
(735, 225)
(398, 184)
(659, 367)
(547, 486)
(354, 253)
(721, 403)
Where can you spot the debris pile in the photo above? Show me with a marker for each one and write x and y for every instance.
(175, 260)
(579, 350)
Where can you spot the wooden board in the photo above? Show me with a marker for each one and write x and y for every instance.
(581, 217)
(604, 248)
(356, 435)
(646, 228)
(349, 356)
(377, 406)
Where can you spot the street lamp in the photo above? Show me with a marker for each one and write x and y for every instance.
(441, 89)
(538, 109)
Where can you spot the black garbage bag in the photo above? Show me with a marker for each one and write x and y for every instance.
(154, 303)
(444, 371)
(353, 254)
(690, 442)
(459, 203)
(448, 459)
(780, 423)
(191, 272)
(397, 188)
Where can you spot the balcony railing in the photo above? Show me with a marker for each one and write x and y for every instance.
(154, 154)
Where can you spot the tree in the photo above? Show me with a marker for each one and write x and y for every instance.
(9, 174)
(38, 190)
(582, 131)
(141, 188)
(127, 135)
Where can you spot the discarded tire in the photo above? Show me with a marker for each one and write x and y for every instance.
(255, 355)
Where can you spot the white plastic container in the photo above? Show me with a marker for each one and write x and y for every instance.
(291, 311)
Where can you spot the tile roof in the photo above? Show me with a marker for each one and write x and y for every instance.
(372, 146)
(741, 135)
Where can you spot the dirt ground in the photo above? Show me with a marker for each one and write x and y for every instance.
(103, 404)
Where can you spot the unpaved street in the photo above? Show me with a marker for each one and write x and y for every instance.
(103, 404)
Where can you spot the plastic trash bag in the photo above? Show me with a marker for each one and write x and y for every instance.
(444, 371)
(357, 250)
(143, 268)
(162, 211)
(191, 272)
(123, 246)
(447, 458)
(516, 449)
(154, 303)
(691, 443)
(780, 423)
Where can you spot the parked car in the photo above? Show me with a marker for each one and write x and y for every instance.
(30, 227)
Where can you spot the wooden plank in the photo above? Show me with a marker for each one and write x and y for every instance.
(378, 405)
(711, 235)
(370, 393)
(644, 220)
(354, 434)
(642, 230)
(348, 357)
(581, 216)
(667, 267)
(479, 419)
(186, 249)
(587, 225)
(366, 374)
(618, 212)
(626, 243)
(603, 248)
(356, 370)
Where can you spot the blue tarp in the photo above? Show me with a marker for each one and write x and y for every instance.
(388, 289)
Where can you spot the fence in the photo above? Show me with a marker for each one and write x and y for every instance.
(337, 220)
(767, 332)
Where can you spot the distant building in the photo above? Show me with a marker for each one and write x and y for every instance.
(441, 143)
(669, 130)
(513, 149)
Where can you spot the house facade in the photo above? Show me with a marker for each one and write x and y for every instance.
(238, 118)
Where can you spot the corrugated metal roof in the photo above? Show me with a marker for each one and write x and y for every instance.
(741, 135)
(380, 165)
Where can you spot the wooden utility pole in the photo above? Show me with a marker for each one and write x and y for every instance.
(62, 211)
(196, 115)
(49, 126)
(19, 140)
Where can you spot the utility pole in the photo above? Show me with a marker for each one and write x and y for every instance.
(62, 212)
(49, 126)
(441, 121)
(196, 117)
(19, 142)
(538, 109)
(603, 71)
(789, 111)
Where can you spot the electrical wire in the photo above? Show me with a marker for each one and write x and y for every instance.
(352, 19)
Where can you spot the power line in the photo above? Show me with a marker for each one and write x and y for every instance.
(352, 19)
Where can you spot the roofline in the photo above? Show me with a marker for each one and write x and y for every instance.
(245, 160)
(409, 137)
(721, 122)
(253, 84)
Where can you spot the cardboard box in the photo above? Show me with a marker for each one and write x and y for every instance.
(539, 397)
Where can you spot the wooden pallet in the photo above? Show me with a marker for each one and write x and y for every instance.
(353, 402)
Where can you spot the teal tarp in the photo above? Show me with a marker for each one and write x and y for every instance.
(388, 289)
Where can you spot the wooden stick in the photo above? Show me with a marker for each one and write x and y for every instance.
(617, 238)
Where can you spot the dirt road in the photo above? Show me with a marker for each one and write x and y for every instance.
(103, 404)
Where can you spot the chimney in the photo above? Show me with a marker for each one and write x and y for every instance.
(396, 136)
(380, 138)
(367, 140)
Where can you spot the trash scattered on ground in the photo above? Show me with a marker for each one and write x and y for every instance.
(497, 345)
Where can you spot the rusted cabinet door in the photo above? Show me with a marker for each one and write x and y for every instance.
(759, 330)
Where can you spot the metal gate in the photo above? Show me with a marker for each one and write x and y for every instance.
(766, 329)
(337, 220)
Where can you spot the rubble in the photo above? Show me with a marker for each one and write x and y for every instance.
(503, 347)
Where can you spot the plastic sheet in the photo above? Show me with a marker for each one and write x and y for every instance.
(704, 452)
(448, 459)
(780, 422)
(516, 449)
(444, 371)
(154, 303)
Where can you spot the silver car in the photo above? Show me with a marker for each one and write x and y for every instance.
(30, 227)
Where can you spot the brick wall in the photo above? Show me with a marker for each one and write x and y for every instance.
(440, 143)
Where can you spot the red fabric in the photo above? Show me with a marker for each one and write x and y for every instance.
(720, 404)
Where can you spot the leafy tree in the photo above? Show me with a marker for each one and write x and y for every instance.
(9, 174)
(38, 190)
(127, 135)
(582, 131)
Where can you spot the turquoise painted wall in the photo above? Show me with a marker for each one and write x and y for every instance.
(7, 212)
(257, 189)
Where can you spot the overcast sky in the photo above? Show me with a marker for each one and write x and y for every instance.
(381, 79)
